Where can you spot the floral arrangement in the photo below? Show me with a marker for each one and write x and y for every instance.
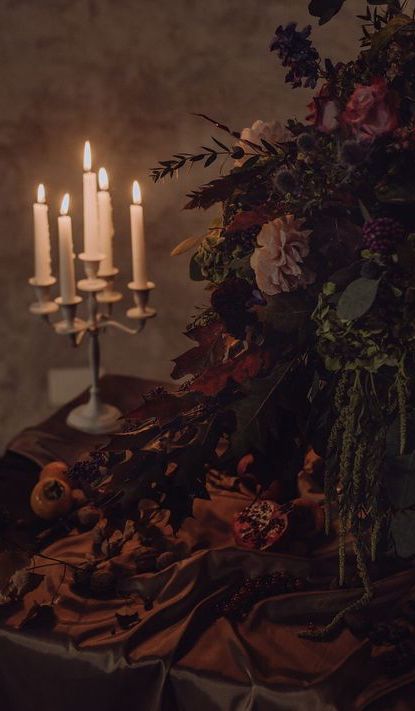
(310, 333)
(308, 341)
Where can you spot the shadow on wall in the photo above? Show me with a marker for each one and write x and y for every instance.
(127, 76)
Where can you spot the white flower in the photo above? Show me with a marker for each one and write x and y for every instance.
(278, 259)
(271, 132)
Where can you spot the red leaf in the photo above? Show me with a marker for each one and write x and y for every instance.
(247, 365)
(164, 407)
(211, 350)
(245, 220)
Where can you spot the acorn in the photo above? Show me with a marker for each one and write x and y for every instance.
(51, 498)
(55, 470)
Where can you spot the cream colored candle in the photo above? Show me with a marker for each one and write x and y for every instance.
(42, 238)
(66, 254)
(137, 239)
(105, 222)
(91, 235)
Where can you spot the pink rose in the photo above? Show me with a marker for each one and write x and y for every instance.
(371, 110)
(324, 111)
(278, 261)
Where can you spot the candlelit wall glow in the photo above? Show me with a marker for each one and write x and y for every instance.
(126, 76)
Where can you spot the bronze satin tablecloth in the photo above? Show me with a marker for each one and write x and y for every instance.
(182, 656)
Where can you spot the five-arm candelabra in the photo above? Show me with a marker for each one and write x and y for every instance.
(95, 417)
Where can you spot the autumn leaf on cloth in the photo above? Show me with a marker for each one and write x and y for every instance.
(209, 351)
(246, 365)
(163, 407)
(249, 218)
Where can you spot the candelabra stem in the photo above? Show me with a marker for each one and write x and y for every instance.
(96, 417)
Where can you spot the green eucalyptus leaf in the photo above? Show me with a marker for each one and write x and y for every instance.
(357, 298)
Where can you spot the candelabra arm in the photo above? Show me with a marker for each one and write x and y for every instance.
(110, 323)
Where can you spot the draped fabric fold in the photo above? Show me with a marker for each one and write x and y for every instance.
(182, 654)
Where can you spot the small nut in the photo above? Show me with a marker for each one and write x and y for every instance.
(88, 517)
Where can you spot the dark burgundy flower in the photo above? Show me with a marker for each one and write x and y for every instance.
(231, 302)
(371, 110)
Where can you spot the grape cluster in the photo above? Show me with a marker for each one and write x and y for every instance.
(238, 605)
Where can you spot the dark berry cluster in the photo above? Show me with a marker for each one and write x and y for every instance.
(399, 660)
(91, 470)
(382, 235)
(396, 635)
(237, 606)
(296, 52)
(392, 633)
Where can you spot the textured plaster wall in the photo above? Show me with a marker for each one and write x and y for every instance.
(126, 74)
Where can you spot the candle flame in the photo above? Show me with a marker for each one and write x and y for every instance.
(41, 193)
(87, 157)
(65, 204)
(136, 193)
(103, 179)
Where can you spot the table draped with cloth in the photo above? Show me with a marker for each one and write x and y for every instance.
(179, 655)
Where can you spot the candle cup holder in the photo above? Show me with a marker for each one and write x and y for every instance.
(109, 295)
(44, 306)
(92, 283)
(70, 325)
(95, 416)
(141, 311)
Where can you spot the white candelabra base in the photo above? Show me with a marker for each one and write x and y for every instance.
(95, 417)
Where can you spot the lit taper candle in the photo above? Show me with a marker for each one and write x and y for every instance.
(42, 238)
(105, 222)
(91, 234)
(137, 239)
(66, 254)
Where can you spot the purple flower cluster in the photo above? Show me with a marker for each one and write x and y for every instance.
(296, 52)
